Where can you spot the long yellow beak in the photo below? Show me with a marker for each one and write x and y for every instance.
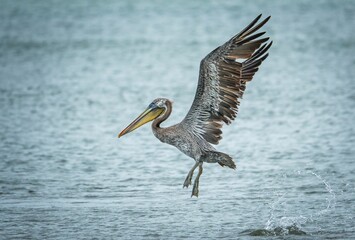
(148, 115)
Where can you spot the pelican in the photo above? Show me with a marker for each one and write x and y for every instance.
(223, 76)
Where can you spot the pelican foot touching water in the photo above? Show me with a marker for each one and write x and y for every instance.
(223, 76)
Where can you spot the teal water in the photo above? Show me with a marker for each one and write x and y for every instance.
(73, 74)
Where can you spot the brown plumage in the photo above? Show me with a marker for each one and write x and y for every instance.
(222, 81)
(223, 76)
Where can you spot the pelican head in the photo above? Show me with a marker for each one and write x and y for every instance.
(154, 110)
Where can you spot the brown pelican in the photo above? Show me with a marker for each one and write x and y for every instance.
(221, 84)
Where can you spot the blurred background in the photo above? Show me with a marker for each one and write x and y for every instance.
(73, 74)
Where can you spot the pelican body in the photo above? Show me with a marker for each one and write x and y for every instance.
(223, 75)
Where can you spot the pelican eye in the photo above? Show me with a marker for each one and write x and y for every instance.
(152, 105)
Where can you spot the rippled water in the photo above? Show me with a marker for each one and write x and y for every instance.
(73, 74)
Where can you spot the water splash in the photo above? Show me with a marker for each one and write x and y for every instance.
(283, 222)
(331, 200)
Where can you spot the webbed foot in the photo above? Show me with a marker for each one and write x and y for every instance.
(195, 189)
(188, 178)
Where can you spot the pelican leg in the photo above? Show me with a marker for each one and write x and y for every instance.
(189, 176)
(197, 180)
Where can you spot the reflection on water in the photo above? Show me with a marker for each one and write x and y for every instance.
(73, 74)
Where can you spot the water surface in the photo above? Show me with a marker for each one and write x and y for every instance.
(75, 73)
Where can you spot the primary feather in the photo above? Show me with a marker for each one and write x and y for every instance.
(222, 81)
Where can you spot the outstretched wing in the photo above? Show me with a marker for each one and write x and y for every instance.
(222, 81)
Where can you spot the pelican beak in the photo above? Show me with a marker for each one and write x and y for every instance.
(151, 113)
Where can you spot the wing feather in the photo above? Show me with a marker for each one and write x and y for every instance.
(222, 81)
